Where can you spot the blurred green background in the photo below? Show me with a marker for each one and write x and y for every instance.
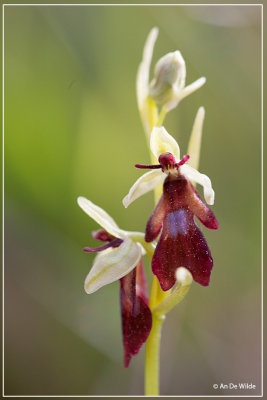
(72, 128)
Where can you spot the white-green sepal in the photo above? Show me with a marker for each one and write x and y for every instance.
(181, 93)
(142, 80)
(147, 182)
(100, 216)
(162, 142)
(112, 264)
(193, 175)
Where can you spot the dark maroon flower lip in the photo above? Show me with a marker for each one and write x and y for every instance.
(135, 312)
(181, 242)
(166, 162)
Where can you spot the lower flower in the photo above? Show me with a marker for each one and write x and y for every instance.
(120, 258)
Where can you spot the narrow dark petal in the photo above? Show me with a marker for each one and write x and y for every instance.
(136, 316)
(182, 161)
(141, 283)
(181, 244)
(113, 243)
(141, 166)
(154, 223)
(102, 235)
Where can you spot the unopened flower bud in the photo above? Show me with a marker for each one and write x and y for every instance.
(183, 276)
(170, 73)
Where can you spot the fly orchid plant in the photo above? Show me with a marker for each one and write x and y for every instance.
(181, 254)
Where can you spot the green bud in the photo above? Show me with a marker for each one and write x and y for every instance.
(169, 78)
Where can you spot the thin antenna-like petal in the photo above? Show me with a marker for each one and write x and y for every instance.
(194, 145)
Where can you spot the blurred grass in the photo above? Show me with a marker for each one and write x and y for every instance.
(72, 128)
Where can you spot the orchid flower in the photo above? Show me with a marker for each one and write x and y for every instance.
(120, 259)
(162, 142)
(168, 85)
(181, 242)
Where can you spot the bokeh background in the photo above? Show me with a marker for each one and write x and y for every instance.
(72, 128)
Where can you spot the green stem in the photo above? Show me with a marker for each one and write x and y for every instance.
(152, 357)
(156, 297)
(162, 116)
(158, 302)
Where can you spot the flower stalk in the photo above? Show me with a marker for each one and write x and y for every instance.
(152, 357)
(161, 302)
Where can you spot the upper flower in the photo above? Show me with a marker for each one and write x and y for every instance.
(168, 86)
(181, 242)
(167, 151)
